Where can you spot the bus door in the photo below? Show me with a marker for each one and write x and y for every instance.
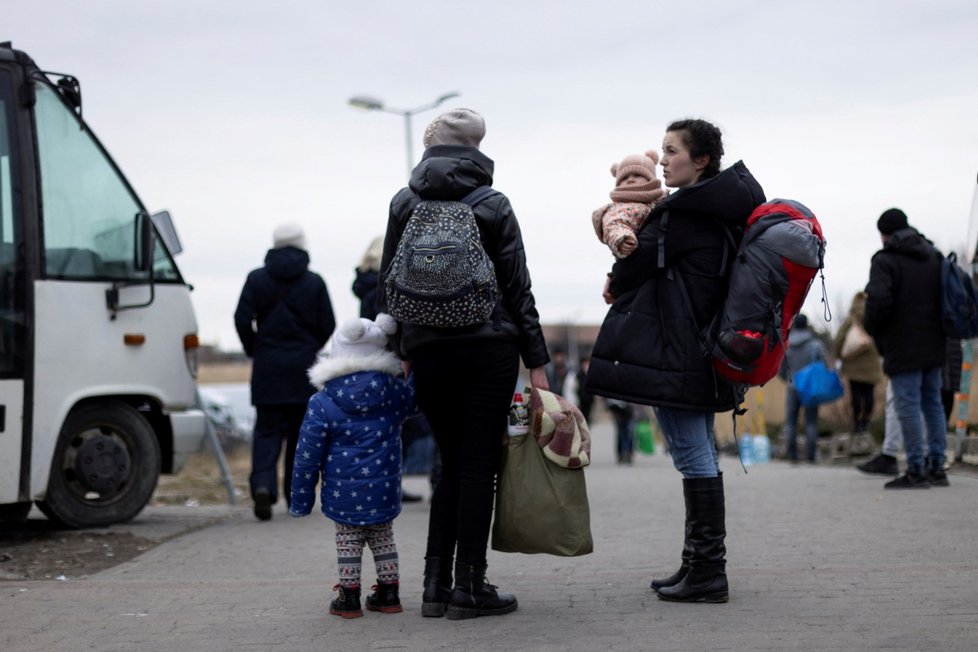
(14, 356)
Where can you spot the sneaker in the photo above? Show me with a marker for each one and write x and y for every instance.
(938, 478)
(908, 481)
(263, 504)
(881, 465)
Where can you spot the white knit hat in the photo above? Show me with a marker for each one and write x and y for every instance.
(288, 235)
(360, 338)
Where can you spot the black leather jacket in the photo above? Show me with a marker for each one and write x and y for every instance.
(450, 172)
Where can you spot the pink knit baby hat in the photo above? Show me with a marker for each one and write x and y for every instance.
(640, 164)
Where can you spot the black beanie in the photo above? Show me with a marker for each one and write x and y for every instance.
(891, 221)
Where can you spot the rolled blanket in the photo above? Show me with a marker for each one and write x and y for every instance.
(559, 429)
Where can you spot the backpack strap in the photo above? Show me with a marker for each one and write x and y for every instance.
(661, 240)
(471, 199)
(477, 195)
(726, 250)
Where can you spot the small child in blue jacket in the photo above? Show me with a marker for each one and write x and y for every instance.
(351, 435)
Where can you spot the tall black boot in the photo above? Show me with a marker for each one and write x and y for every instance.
(677, 577)
(437, 586)
(706, 580)
(474, 596)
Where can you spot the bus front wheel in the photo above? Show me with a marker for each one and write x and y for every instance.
(105, 468)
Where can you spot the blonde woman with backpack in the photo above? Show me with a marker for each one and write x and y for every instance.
(465, 374)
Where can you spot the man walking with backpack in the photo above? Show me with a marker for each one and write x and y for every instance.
(903, 315)
(283, 318)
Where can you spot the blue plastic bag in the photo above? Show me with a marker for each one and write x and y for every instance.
(817, 384)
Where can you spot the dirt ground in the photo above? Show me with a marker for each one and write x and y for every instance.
(37, 549)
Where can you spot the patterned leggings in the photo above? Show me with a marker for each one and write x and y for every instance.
(349, 551)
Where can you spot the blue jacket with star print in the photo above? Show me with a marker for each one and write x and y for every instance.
(351, 436)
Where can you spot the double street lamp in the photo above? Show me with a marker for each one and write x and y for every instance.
(373, 104)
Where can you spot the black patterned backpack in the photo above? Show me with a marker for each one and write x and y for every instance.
(440, 274)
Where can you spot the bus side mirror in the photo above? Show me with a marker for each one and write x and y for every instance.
(145, 242)
(167, 232)
(146, 239)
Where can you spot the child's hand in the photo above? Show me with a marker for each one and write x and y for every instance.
(627, 245)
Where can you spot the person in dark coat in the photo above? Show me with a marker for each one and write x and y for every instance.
(367, 278)
(283, 318)
(903, 315)
(465, 376)
(649, 351)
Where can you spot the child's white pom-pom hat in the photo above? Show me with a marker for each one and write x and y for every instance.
(359, 337)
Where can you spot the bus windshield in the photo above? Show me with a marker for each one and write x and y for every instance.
(90, 215)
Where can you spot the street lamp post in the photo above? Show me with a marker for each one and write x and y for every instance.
(369, 103)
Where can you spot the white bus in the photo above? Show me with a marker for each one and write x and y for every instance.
(98, 339)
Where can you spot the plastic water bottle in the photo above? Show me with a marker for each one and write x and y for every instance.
(519, 417)
(762, 449)
(746, 450)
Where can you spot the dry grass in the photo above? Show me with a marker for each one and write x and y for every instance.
(200, 482)
(224, 372)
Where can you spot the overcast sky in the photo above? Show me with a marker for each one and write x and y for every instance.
(234, 116)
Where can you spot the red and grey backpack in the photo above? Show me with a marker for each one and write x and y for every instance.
(781, 251)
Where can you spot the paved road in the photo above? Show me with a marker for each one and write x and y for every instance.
(819, 558)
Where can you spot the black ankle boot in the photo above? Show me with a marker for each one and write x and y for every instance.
(474, 596)
(347, 604)
(706, 580)
(437, 586)
(384, 598)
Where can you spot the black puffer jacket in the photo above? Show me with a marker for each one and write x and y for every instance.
(450, 172)
(365, 289)
(649, 349)
(294, 315)
(903, 304)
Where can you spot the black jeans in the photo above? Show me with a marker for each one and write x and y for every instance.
(275, 424)
(465, 389)
(861, 395)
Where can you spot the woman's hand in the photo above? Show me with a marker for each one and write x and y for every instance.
(609, 298)
(406, 367)
(538, 378)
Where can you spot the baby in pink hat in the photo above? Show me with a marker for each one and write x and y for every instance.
(636, 191)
